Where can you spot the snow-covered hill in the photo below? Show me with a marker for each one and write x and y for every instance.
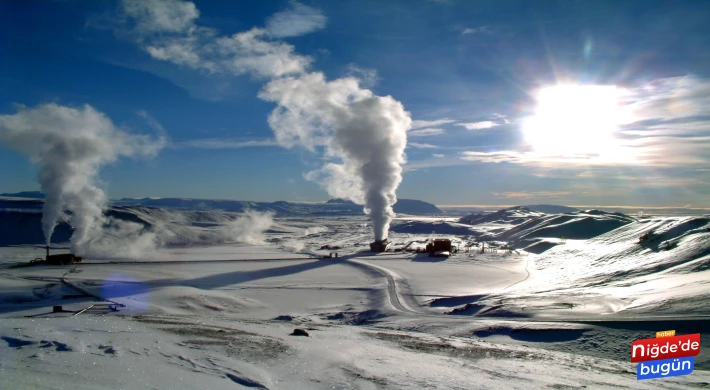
(540, 233)
(551, 208)
(654, 246)
(656, 265)
(510, 216)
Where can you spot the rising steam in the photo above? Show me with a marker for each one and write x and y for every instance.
(249, 228)
(69, 146)
(363, 135)
(367, 133)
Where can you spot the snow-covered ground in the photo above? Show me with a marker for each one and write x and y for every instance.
(219, 316)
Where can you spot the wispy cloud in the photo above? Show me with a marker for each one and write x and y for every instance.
(621, 156)
(166, 30)
(421, 146)
(152, 122)
(671, 128)
(368, 77)
(298, 20)
(426, 132)
(478, 125)
(161, 16)
(670, 98)
(437, 160)
(418, 124)
(534, 194)
(225, 143)
(477, 30)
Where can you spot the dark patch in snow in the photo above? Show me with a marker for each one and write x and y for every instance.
(540, 246)
(534, 335)
(300, 332)
(13, 342)
(455, 301)
(336, 316)
(357, 318)
(467, 310)
(284, 318)
(546, 335)
(499, 311)
(244, 381)
(360, 375)
(60, 347)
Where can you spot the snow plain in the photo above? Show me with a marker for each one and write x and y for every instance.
(219, 316)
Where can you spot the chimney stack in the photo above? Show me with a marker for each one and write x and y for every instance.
(47, 248)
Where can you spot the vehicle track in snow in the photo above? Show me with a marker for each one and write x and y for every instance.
(395, 299)
(398, 300)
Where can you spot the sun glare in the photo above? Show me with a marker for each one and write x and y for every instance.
(575, 120)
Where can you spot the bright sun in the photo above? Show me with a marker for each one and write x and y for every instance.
(575, 120)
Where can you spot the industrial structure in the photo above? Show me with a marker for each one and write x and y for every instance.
(61, 259)
(380, 245)
(440, 247)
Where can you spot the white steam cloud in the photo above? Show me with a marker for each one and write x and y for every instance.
(363, 135)
(69, 146)
(248, 228)
(367, 133)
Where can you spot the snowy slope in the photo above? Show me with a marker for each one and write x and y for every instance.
(510, 216)
(219, 316)
(676, 245)
(577, 226)
(614, 273)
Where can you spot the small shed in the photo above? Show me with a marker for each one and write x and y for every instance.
(62, 259)
(439, 245)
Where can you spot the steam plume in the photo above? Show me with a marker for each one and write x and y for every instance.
(368, 133)
(69, 146)
(248, 228)
(363, 135)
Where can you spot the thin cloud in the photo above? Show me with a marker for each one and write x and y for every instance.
(670, 128)
(670, 98)
(477, 30)
(627, 156)
(438, 122)
(225, 143)
(526, 195)
(421, 146)
(427, 132)
(298, 20)
(368, 77)
(167, 31)
(478, 125)
(161, 16)
(436, 161)
(501, 117)
(152, 122)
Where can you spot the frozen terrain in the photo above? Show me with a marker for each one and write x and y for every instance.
(519, 314)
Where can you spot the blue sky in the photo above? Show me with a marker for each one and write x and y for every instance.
(469, 72)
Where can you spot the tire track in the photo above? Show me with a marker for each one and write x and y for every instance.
(398, 302)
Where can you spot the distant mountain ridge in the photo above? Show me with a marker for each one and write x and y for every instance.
(25, 194)
(281, 208)
(551, 208)
(403, 206)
